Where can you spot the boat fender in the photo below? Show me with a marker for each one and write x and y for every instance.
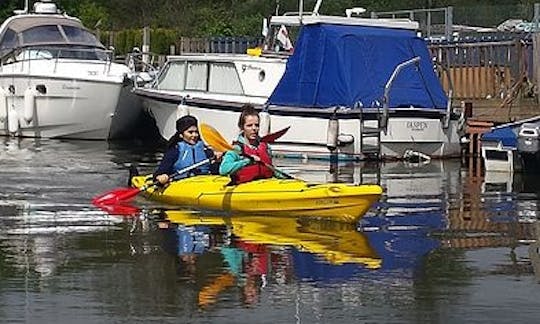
(416, 157)
(264, 123)
(332, 133)
(345, 139)
(3, 104)
(182, 110)
(29, 104)
(13, 121)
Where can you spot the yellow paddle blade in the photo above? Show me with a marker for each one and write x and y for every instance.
(213, 138)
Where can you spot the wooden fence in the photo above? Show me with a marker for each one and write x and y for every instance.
(484, 70)
(217, 44)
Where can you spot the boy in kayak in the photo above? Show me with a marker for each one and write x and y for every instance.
(184, 149)
(251, 158)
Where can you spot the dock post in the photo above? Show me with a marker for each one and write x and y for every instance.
(146, 45)
(536, 61)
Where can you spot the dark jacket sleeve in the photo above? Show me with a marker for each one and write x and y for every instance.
(167, 163)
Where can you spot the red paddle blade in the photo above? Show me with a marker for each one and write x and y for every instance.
(272, 137)
(115, 196)
(120, 210)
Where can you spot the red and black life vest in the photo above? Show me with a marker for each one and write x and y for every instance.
(255, 170)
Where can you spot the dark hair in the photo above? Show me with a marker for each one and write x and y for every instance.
(185, 122)
(247, 110)
(182, 124)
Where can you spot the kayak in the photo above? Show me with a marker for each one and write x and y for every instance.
(337, 243)
(278, 197)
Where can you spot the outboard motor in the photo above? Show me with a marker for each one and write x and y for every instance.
(528, 138)
(529, 146)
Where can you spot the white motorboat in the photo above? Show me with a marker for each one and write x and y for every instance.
(358, 87)
(58, 81)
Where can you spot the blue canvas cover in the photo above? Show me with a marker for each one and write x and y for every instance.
(506, 135)
(342, 65)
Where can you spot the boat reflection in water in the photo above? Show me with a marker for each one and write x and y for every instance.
(262, 251)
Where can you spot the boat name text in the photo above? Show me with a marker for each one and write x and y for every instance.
(417, 126)
(70, 87)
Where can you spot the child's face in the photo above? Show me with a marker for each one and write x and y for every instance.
(191, 135)
(251, 128)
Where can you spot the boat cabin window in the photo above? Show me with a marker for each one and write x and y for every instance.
(42, 34)
(173, 77)
(78, 35)
(8, 42)
(197, 74)
(224, 79)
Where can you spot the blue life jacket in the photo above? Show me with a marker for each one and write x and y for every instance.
(188, 155)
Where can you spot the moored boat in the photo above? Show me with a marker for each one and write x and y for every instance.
(278, 197)
(367, 89)
(58, 81)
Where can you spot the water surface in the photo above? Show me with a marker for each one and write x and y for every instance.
(444, 244)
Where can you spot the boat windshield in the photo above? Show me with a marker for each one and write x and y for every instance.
(33, 41)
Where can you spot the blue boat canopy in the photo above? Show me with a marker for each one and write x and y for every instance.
(338, 65)
(505, 135)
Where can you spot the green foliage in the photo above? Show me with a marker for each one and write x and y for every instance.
(243, 17)
(124, 41)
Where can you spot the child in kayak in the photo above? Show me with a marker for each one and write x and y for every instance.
(251, 158)
(184, 149)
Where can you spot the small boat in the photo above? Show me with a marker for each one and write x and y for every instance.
(289, 197)
(337, 243)
(58, 81)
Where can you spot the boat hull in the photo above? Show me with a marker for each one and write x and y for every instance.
(408, 129)
(339, 202)
(73, 105)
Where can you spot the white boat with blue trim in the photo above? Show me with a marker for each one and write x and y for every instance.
(367, 89)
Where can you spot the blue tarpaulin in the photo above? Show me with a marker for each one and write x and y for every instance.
(506, 135)
(338, 65)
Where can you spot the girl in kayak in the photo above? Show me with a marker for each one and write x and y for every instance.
(251, 158)
(184, 149)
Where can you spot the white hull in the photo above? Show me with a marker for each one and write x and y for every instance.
(307, 136)
(74, 104)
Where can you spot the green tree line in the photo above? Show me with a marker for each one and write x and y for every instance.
(170, 19)
(243, 17)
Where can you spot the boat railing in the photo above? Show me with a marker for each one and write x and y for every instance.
(39, 53)
(386, 97)
(143, 66)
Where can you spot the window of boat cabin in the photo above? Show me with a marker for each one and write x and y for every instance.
(197, 76)
(42, 34)
(224, 79)
(173, 78)
(8, 42)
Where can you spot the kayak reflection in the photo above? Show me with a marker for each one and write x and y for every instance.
(259, 250)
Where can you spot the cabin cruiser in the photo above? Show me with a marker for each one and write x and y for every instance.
(360, 88)
(58, 81)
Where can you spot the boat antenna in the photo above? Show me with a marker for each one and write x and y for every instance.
(300, 10)
(24, 11)
(316, 8)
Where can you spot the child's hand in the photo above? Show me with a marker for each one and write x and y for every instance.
(162, 178)
(218, 155)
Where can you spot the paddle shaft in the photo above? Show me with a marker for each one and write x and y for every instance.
(175, 175)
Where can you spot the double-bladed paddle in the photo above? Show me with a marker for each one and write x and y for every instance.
(124, 194)
(120, 195)
(213, 138)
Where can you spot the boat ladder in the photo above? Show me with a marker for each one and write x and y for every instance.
(370, 137)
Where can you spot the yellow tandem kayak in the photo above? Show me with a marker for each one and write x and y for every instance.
(276, 197)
